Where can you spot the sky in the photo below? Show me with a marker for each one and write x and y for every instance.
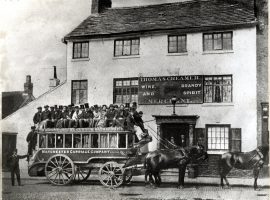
(30, 38)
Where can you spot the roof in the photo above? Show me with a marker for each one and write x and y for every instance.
(12, 101)
(180, 15)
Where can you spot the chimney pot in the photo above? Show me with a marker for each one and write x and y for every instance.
(28, 86)
(98, 6)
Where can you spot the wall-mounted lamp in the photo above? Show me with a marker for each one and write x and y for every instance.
(173, 100)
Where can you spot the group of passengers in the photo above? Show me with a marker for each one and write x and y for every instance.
(84, 116)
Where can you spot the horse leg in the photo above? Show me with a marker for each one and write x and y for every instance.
(224, 169)
(256, 172)
(181, 177)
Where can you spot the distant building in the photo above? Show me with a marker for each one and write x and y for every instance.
(14, 100)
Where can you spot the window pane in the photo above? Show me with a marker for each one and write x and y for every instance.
(217, 41)
(77, 143)
(103, 140)
(76, 85)
(216, 137)
(118, 83)
(118, 48)
(182, 44)
(76, 50)
(83, 85)
(126, 48)
(51, 140)
(59, 140)
(42, 141)
(126, 83)
(172, 44)
(227, 41)
(207, 42)
(68, 140)
(94, 140)
(85, 50)
(122, 141)
(113, 140)
(86, 141)
(134, 82)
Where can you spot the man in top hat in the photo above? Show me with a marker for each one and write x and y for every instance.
(110, 116)
(86, 117)
(63, 117)
(32, 140)
(38, 117)
(46, 117)
(121, 116)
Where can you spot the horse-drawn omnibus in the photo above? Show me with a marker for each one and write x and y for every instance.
(66, 155)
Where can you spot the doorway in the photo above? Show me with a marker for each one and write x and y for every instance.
(8, 146)
(179, 132)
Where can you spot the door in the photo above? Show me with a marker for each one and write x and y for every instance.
(175, 133)
(8, 145)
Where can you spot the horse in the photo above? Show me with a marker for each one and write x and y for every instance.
(246, 160)
(172, 158)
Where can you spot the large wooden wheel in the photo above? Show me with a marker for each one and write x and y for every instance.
(81, 173)
(59, 169)
(111, 174)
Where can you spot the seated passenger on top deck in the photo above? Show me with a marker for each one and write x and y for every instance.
(121, 115)
(64, 118)
(54, 113)
(110, 117)
(45, 117)
(38, 117)
(102, 120)
(96, 114)
(74, 122)
(86, 118)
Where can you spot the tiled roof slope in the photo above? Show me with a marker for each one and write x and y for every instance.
(181, 15)
(12, 101)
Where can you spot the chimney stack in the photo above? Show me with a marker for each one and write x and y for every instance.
(54, 81)
(28, 86)
(98, 6)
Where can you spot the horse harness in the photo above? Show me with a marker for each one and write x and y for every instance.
(260, 155)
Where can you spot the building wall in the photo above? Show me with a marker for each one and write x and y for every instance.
(21, 121)
(102, 67)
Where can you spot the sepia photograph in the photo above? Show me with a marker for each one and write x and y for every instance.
(134, 99)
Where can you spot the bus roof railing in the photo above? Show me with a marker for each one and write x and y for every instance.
(81, 130)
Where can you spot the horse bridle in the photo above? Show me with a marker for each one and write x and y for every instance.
(259, 153)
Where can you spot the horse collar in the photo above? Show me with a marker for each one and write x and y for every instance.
(259, 152)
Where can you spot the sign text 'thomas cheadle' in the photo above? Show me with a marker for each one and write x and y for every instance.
(160, 90)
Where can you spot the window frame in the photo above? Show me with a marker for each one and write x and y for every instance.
(219, 125)
(72, 81)
(213, 41)
(81, 50)
(130, 86)
(177, 36)
(130, 50)
(212, 76)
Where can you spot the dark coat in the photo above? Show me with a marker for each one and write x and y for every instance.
(14, 161)
(46, 114)
(37, 118)
(138, 120)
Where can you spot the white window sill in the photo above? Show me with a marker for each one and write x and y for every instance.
(79, 59)
(219, 152)
(178, 54)
(216, 104)
(126, 57)
(218, 52)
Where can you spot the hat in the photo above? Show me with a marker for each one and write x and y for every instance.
(76, 107)
(60, 107)
(86, 105)
(46, 106)
(52, 107)
(33, 127)
(105, 105)
(81, 106)
(65, 107)
(111, 105)
(96, 106)
(39, 107)
(122, 105)
(141, 112)
(72, 104)
(134, 104)
(115, 106)
(55, 106)
(127, 105)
